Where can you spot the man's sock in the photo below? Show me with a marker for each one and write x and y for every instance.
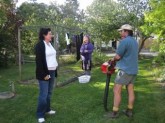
(115, 109)
(130, 107)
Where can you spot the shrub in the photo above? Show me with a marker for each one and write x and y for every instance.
(160, 59)
(67, 59)
(159, 74)
(98, 58)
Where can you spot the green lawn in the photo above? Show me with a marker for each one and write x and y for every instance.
(83, 103)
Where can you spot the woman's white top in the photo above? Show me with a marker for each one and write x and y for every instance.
(50, 53)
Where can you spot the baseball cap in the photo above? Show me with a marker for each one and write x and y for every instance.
(126, 27)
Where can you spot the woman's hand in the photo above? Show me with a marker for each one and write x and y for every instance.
(85, 51)
(47, 77)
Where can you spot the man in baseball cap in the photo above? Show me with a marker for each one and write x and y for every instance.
(125, 27)
(127, 65)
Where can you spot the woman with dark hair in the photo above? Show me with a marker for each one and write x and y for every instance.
(46, 65)
(86, 54)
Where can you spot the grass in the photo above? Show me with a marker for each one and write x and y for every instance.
(65, 72)
(83, 103)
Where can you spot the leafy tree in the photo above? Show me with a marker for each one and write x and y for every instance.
(72, 17)
(155, 25)
(64, 18)
(104, 18)
(137, 8)
(34, 16)
(8, 29)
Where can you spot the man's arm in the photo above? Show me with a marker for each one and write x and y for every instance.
(120, 51)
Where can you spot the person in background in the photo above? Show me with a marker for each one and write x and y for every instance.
(86, 54)
(46, 65)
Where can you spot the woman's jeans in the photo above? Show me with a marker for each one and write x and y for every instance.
(46, 88)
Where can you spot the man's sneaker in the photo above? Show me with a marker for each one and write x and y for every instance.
(128, 112)
(51, 112)
(113, 114)
(41, 120)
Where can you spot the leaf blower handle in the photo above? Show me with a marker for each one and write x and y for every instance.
(111, 66)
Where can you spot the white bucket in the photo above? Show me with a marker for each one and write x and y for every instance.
(84, 79)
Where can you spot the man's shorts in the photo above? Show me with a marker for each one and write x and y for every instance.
(123, 78)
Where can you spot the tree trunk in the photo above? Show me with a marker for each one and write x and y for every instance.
(142, 44)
